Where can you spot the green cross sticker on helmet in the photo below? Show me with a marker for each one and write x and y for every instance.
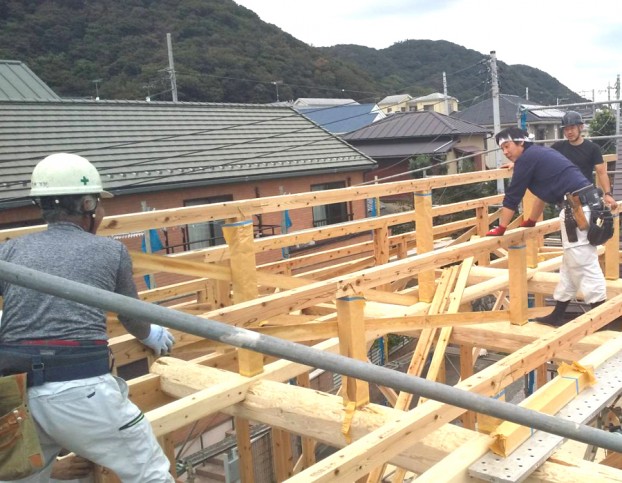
(66, 174)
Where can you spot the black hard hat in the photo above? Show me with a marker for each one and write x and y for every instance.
(571, 118)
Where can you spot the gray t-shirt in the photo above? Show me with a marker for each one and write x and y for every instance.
(65, 250)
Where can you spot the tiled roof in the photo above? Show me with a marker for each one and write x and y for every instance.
(405, 149)
(481, 113)
(19, 83)
(141, 146)
(395, 99)
(414, 125)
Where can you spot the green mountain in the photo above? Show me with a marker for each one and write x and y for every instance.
(416, 67)
(225, 53)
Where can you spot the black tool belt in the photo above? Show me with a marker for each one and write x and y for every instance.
(590, 196)
(49, 363)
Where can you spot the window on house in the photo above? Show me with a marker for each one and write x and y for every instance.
(202, 235)
(403, 109)
(429, 107)
(333, 213)
(389, 109)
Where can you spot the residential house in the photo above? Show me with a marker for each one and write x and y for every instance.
(395, 141)
(157, 155)
(514, 110)
(395, 103)
(18, 82)
(343, 119)
(434, 102)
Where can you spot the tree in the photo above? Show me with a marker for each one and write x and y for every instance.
(604, 124)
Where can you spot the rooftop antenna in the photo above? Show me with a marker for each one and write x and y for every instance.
(96, 82)
(277, 84)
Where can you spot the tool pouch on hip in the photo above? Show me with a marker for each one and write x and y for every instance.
(20, 451)
(601, 226)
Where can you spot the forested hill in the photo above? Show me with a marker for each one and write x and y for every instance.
(225, 53)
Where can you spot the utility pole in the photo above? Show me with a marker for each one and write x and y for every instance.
(445, 94)
(171, 67)
(496, 117)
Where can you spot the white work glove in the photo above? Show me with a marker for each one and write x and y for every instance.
(160, 340)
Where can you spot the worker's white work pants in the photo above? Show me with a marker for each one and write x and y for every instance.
(580, 270)
(86, 416)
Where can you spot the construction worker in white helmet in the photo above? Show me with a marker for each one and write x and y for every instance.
(62, 345)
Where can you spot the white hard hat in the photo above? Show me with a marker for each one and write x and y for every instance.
(66, 174)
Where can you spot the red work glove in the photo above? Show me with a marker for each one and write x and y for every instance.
(500, 230)
(528, 223)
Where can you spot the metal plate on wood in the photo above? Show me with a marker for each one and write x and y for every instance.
(535, 451)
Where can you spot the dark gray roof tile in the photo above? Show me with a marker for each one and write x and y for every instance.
(140, 146)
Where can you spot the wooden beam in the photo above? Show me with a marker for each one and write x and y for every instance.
(518, 284)
(382, 444)
(425, 242)
(352, 344)
(454, 304)
(454, 467)
(295, 409)
(420, 354)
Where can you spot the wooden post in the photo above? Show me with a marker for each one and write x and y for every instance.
(612, 250)
(533, 244)
(381, 244)
(239, 237)
(466, 371)
(243, 437)
(482, 225)
(307, 458)
(517, 264)
(282, 454)
(351, 329)
(382, 249)
(425, 242)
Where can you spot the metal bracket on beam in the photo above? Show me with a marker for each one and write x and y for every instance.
(537, 449)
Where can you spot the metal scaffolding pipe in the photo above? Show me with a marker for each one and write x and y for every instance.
(301, 354)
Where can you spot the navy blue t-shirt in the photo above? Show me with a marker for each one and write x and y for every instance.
(547, 173)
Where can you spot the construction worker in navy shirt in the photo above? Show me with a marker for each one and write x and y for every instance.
(550, 176)
(62, 345)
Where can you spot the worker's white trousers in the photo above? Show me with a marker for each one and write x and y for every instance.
(94, 418)
(580, 270)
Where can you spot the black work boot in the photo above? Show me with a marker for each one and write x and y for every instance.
(555, 318)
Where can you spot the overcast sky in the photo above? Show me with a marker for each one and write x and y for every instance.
(577, 42)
